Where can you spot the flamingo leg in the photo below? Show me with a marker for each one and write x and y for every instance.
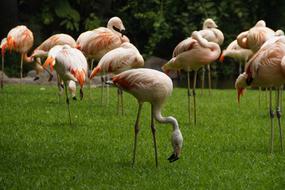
(189, 94)
(81, 93)
(194, 96)
(102, 89)
(278, 114)
(89, 85)
(203, 79)
(259, 94)
(136, 132)
(271, 113)
(122, 101)
(67, 102)
(209, 78)
(107, 90)
(153, 130)
(60, 87)
(21, 74)
(240, 67)
(2, 75)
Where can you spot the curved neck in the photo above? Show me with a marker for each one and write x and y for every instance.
(214, 47)
(157, 115)
(27, 58)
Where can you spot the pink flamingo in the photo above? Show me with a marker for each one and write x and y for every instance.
(118, 60)
(70, 64)
(194, 53)
(152, 86)
(266, 69)
(19, 39)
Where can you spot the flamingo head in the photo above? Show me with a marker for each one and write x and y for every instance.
(10, 43)
(241, 84)
(177, 141)
(50, 61)
(209, 23)
(170, 66)
(116, 24)
(80, 75)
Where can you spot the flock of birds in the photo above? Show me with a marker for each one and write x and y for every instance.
(260, 48)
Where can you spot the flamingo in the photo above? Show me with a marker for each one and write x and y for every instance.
(96, 43)
(236, 52)
(255, 37)
(19, 39)
(266, 69)
(43, 48)
(2, 46)
(70, 64)
(152, 86)
(195, 52)
(212, 34)
(118, 60)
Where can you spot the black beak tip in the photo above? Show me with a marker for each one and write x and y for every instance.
(74, 98)
(173, 158)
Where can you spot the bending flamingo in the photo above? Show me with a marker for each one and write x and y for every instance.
(118, 60)
(266, 69)
(70, 64)
(42, 50)
(195, 52)
(152, 86)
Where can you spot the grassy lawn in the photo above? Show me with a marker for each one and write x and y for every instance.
(227, 149)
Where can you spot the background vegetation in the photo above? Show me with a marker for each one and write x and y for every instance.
(154, 26)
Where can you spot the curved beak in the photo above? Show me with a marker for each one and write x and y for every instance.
(49, 61)
(94, 72)
(175, 156)
(222, 58)
(123, 32)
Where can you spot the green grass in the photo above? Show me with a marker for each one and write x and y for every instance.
(227, 149)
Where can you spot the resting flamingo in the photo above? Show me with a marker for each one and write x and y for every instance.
(118, 60)
(152, 86)
(266, 69)
(70, 64)
(195, 52)
(96, 43)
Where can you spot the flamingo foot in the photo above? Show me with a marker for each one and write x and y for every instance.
(36, 78)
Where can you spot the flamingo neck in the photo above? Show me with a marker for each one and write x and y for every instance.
(27, 58)
(169, 119)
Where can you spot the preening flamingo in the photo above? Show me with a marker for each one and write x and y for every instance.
(70, 64)
(266, 69)
(118, 60)
(195, 52)
(19, 39)
(152, 86)
(239, 54)
(42, 50)
(96, 43)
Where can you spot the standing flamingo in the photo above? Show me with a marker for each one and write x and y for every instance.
(194, 53)
(70, 64)
(266, 69)
(212, 34)
(152, 86)
(96, 43)
(118, 60)
(19, 39)
(237, 53)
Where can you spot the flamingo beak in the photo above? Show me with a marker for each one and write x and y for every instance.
(222, 58)
(77, 46)
(240, 93)
(49, 61)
